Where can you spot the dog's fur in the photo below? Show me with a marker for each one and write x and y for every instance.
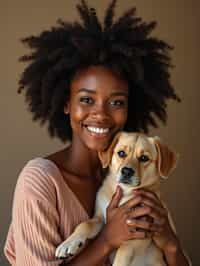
(143, 175)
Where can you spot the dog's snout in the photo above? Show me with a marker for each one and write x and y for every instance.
(127, 172)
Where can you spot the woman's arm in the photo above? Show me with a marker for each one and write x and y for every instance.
(174, 256)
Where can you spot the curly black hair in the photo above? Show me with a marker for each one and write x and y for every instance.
(124, 46)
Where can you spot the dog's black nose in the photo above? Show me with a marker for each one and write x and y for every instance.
(127, 172)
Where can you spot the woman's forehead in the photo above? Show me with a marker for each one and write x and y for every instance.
(95, 76)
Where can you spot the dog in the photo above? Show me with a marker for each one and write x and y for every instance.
(135, 161)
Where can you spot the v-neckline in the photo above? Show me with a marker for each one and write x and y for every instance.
(70, 190)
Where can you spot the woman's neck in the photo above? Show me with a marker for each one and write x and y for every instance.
(81, 161)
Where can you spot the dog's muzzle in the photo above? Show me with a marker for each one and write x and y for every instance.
(127, 177)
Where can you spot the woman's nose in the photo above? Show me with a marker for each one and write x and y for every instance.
(100, 111)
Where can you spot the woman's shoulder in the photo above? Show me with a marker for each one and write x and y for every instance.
(41, 168)
(42, 164)
(39, 177)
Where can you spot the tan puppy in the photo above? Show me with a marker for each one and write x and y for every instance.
(135, 161)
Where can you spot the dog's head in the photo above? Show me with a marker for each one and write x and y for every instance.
(136, 160)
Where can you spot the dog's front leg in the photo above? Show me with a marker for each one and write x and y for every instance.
(84, 231)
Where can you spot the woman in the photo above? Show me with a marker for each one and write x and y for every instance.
(89, 82)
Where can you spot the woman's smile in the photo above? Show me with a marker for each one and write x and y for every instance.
(98, 132)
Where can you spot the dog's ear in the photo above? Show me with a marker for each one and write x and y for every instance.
(106, 155)
(167, 159)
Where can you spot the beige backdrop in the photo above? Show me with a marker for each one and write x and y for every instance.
(21, 139)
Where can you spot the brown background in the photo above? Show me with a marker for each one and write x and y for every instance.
(21, 139)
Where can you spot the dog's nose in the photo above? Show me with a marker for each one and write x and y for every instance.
(127, 172)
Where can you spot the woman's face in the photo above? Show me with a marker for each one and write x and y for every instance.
(97, 106)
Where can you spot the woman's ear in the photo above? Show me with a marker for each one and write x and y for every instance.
(106, 155)
(166, 160)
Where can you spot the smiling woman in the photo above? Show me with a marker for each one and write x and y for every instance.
(88, 81)
(125, 47)
(97, 107)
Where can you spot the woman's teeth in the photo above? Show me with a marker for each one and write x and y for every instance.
(98, 130)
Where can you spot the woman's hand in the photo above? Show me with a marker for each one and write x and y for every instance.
(141, 217)
(161, 225)
(124, 223)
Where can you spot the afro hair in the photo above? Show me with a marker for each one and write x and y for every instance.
(124, 46)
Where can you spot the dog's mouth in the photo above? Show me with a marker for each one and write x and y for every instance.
(133, 181)
(127, 176)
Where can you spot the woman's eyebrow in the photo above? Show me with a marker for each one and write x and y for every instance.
(117, 93)
(86, 90)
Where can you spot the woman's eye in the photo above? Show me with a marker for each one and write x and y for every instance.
(86, 99)
(117, 102)
(143, 158)
(122, 154)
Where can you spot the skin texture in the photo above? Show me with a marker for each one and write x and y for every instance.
(98, 98)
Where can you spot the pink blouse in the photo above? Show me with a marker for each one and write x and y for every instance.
(45, 212)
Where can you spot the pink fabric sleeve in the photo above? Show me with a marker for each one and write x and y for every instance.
(36, 235)
(35, 222)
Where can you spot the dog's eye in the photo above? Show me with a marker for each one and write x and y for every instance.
(122, 154)
(143, 158)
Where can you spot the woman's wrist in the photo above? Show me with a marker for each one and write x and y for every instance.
(174, 255)
(103, 236)
(172, 247)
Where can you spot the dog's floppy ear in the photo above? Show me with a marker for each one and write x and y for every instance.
(106, 155)
(167, 158)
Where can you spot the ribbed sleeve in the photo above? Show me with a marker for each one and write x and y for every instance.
(35, 233)
(45, 212)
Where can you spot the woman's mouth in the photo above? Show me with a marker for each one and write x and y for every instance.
(98, 131)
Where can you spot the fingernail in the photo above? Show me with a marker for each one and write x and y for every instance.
(118, 189)
(128, 221)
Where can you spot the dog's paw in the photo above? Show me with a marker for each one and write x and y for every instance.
(69, 248)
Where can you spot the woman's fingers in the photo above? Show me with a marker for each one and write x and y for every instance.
(133, 202)
(142, 229)
(151, 199)
(148, 194)
(139, 224)
(140, 205)
(158, 219)
(154, 205)
(145, 203)
(115, 198)
(138, 234)
(139, 211)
